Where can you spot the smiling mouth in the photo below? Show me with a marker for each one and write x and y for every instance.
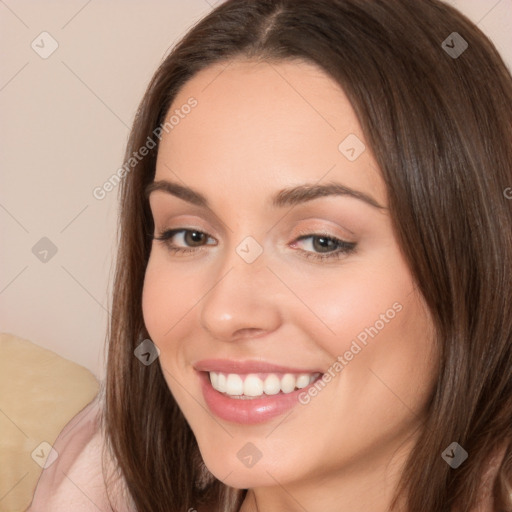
(251, 392)
(259, 385)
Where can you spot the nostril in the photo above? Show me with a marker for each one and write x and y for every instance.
(249, 332)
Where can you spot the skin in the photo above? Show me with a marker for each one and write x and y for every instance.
(258, 128)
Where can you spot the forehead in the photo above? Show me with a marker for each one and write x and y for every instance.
(274, 123)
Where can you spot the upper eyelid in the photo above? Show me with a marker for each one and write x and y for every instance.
(218, 224)
(221, 227)
(346, 232)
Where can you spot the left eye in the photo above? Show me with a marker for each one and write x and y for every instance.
(323, 245)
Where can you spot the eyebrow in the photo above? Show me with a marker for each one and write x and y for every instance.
(286, 197)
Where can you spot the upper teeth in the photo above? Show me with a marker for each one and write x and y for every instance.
(253, 385)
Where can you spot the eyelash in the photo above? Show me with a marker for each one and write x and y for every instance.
(343, 247)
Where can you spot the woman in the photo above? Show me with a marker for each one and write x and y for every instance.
(312, 305)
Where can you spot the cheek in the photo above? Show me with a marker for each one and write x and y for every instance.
(169, 293)
(387, 350)
(168, 296)
(374, 319)
(359, 300)
(157, 303)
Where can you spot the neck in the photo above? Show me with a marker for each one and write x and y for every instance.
(356, 493)
(367, 485)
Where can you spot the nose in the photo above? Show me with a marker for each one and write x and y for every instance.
(243, 301)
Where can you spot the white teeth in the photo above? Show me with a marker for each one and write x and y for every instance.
(234, 384)
(288, 383)
(302, 381)
(254, 386)
(221, 383)
(272, 385)
(214, 379)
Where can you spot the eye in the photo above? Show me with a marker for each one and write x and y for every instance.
(325, 246)
(192, 237)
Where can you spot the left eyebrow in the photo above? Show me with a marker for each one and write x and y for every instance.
(286, 197)
(308, 192)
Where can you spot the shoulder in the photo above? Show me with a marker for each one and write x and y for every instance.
(75, 479)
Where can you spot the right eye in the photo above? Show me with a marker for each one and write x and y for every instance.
(192, 238)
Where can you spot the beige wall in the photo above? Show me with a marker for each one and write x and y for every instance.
(64, 123)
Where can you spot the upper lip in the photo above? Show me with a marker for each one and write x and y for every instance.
(246, 366)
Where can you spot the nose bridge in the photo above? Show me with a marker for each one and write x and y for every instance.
(242, 296)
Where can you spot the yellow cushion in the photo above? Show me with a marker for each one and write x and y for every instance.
(40, 392)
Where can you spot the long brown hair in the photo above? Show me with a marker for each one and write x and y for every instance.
(440, 127)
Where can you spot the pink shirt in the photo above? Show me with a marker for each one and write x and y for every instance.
(75, 482)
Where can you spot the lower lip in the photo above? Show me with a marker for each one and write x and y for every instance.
(251, 410)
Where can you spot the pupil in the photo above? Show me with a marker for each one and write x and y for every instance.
(196, 236)
(325, 244)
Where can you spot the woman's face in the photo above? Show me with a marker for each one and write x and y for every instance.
(279, 287)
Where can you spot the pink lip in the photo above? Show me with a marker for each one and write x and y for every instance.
(242, 367)
(247, 411)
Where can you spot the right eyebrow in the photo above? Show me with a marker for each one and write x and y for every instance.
(180, 191)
